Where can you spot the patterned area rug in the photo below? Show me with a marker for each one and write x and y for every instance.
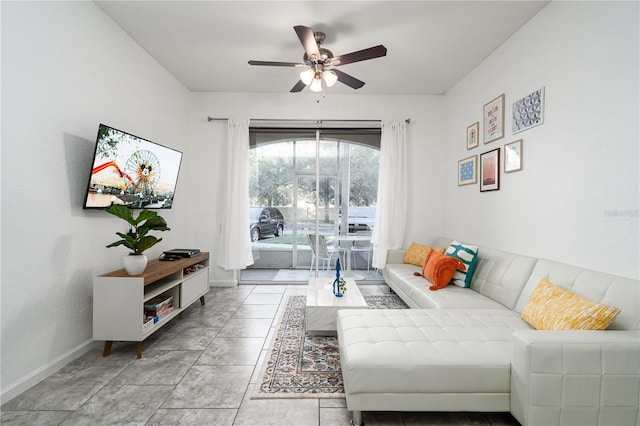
(303, 366)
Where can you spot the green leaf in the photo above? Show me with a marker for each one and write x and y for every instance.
(146, 242)
(127, 238)
(117, 243)
(145, 215)
(156, 223)
(122, 212)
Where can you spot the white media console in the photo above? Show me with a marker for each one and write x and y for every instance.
(119, 298)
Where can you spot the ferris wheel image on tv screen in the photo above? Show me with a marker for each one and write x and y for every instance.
(131, 171)
(142, 172)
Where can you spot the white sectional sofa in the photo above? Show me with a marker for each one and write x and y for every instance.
(467, 349)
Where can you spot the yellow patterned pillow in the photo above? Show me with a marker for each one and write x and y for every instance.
(554, 308)
(417, 254)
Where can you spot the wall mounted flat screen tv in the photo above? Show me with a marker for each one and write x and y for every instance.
(131, 171)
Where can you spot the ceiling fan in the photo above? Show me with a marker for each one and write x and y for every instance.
(319, 63)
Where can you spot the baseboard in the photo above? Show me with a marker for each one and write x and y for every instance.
(223, 283)
(23, 384)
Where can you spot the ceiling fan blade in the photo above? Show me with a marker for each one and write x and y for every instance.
(276, 64)
(360, 55)
(298, 87)
(349, 80)
(305, 34)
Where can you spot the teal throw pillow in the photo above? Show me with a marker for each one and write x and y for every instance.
(467, 255)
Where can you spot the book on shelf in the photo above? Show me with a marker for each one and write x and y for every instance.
(160, 311)
(162, 314)
(158, 302)
(147, 323)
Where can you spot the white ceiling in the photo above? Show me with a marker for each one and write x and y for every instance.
(431, 44)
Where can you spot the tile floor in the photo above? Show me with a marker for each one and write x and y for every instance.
(199, 369)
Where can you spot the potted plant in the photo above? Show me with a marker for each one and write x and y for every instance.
(137, 239)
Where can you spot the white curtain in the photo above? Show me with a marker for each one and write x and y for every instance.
(235, 242)
(391, 210)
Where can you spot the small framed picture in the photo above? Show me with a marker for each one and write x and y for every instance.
(468, 171)
(528, 112)
(493, 119)
(513, 156)
(490, 170)
(472, 135)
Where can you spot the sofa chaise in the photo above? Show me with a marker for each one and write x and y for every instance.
(468, 349)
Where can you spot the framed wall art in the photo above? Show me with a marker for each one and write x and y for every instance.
(513, 156)
(473, 135)
(528, 111)
(493, 119)
(490, 170)
(468, 171)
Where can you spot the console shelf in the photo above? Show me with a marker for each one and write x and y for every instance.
(119, 298)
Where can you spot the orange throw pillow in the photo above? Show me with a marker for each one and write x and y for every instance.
(439, 269)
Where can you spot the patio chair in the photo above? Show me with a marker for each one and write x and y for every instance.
(325, 252)
(363, 247)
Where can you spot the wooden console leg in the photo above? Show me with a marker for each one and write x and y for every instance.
(107, 347)
(139, 349)
(202, 300)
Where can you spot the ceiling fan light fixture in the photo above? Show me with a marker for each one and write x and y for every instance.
(307, 76)
(316, 84)
(330, 78)
(318, 62)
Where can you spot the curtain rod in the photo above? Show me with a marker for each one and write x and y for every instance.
(408, 120)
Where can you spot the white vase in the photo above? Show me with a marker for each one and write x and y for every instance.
(135, 264)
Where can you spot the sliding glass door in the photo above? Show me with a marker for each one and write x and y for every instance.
(335, 200)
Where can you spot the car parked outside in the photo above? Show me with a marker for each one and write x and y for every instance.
(265, 221)
(361, 219)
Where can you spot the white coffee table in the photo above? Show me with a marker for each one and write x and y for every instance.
(322, 306)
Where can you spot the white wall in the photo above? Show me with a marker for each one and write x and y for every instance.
(66, 67)
(576, 200)
(424, 136)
